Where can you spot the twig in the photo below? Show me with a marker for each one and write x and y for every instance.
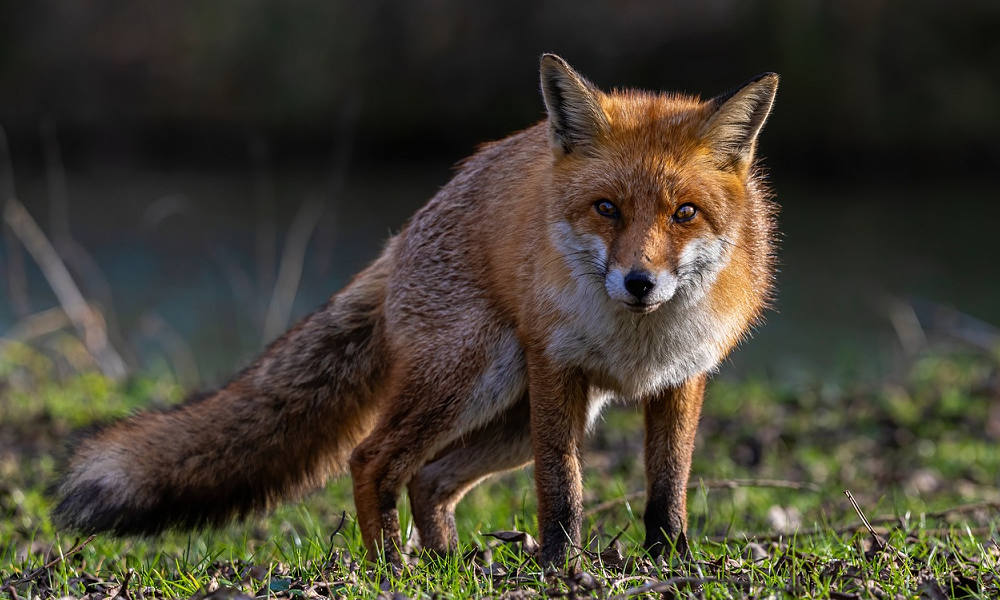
(181, 357)
(879, 542)
(17, 281)
(81, 262)
(957, 510)
(618, 535)
(336, 530)
(852, 529)
(907, 326)
(669, 584)
(35, 326)
(965, 328)
(290, 268)
(774, 537)
(55, 561)
(729, 484)
(164, 207)
(947, 531)
(239, 281)
(719, 484)
(340, 525)
(55, 177)
(89, 323)
(265, 243)
(940, 514)
(123, 588)
(621, 580)
(279, 310)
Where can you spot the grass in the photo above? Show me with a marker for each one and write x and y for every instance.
(914, 448)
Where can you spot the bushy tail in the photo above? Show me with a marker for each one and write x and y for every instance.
(278, 429)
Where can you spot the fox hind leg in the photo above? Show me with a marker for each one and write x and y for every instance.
(439, 398)
(382, 464)
(502, 444)
(408, 434)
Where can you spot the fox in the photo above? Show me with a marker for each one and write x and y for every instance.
(617, 250)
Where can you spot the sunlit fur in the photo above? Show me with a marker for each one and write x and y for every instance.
(490, 332)
(713, 273)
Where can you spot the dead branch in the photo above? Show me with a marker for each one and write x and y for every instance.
(668, 586)
(17, 280)
(948, 322)
(907, 326)
(81, 263)
(881, 544)
(237, 277)
(279, 310)
(864, 520)
(55, 561)
(731, 484)
(265, 239)
(874, 522)
(123, 587)
(178, 351)
(88, 322)
(293, 255)
(35, 326)
(718, 484)
(55, 177)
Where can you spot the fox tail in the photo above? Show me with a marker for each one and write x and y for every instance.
(278, 429)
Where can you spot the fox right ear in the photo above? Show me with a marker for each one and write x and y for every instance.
(575, 114)
(739, 116)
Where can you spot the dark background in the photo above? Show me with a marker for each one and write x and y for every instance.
(191, 134)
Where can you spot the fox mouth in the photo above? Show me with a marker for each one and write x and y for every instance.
(642, 308)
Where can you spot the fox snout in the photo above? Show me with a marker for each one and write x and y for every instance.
(641, 290)
(639, 283)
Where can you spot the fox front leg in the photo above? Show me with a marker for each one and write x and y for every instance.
(558, 421)
(671, 423)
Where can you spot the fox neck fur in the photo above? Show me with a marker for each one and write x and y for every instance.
(503, 218)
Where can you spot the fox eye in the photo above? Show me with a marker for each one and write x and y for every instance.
(685, 213)
(606, 208)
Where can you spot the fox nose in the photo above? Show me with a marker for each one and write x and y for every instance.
(639, 283)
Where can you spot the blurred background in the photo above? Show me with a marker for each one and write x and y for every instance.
(209, 172)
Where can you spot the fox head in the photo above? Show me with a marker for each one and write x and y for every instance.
(655, 192)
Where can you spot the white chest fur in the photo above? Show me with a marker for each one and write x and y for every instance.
(639, 354)
(634, 355)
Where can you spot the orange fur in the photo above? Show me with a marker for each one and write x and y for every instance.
(556, 269)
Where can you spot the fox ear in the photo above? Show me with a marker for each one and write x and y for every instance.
(739, 116)
(575, 114)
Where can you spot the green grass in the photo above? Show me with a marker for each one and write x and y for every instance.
(911, 447)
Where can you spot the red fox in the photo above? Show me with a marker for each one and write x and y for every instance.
(618, 249)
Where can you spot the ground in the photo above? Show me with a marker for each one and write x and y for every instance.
(769, 516)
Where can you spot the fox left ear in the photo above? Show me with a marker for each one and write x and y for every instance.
(575, 114)
(739, 116)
